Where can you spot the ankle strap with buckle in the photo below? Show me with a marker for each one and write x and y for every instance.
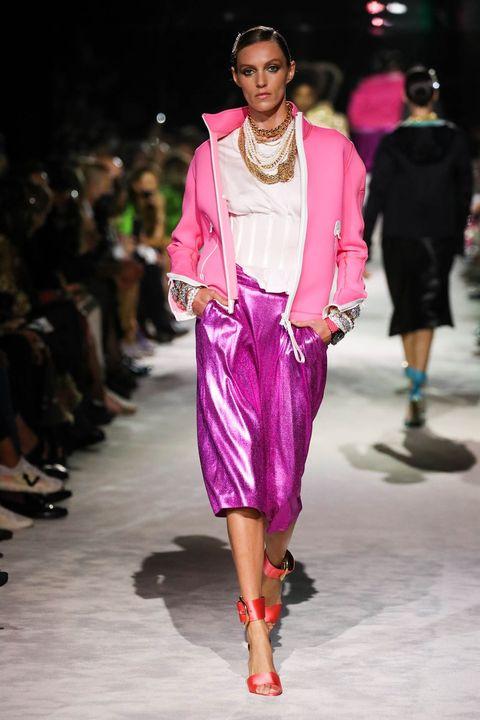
(287, 566)
(251, 609)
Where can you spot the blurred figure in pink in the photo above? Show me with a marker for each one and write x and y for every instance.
(377, 105)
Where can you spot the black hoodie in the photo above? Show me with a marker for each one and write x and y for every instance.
(421, 183)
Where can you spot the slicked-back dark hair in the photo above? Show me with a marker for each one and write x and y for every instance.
(259, 33)
(420, 84)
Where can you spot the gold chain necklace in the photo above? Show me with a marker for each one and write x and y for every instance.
(285, 168)
(262, 133)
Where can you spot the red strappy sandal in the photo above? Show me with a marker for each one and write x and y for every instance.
(249, 610)
(272, 612)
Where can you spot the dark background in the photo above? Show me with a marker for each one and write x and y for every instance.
(108, 69)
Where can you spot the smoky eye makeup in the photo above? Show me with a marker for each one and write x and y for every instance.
(246, 71)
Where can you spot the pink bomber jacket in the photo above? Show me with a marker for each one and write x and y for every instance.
(331, 250)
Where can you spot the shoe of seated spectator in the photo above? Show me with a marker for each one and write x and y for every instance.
(97, 412)
(10, 520)
(135, 369)
(26, 478)
(178, 330)
(53, 465)
(134, 351)
(146, 345)
(32, 469)
(79, 437)
(163, 336)
(55, 470)
(33, 506)
(119, 405)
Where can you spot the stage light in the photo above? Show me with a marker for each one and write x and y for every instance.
(161, 117)
(374, 7)
(397, 8)
(377, 22)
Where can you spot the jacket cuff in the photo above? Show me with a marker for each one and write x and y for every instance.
(341, 308)
(179, 312)
(185, 278)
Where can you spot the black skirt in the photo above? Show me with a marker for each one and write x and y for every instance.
(417, 271)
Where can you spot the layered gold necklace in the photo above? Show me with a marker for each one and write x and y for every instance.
(282, 160)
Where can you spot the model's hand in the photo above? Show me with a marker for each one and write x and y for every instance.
(203, 297)
(320, 327)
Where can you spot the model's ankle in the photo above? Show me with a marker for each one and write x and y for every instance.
(274, 557)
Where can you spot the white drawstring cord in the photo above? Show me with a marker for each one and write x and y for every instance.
(296, 350)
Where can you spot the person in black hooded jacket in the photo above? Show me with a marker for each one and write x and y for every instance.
(421, 184)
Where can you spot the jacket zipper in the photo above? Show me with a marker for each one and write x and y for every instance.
(299, 356)
(337, 233)
(222, 235)
(201, 275)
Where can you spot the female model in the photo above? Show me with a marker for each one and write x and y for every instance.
(421, 183)
(274, 203)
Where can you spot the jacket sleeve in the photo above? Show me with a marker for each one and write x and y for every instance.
(351, 250)
(186, 241)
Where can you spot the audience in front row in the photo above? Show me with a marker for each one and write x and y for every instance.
(82, 298)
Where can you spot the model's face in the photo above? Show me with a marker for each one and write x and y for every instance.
(262, 74)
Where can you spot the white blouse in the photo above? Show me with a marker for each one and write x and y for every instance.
(265, 219)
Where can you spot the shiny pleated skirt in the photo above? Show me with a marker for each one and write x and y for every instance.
(255, 404)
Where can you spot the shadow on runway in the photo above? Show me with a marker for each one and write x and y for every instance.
(198, 586)
(420, 450)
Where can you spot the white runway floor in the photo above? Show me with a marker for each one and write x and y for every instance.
(124, 610)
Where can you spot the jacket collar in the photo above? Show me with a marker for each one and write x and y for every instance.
(224, 122)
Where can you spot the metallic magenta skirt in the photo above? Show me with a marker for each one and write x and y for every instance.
(255, 404)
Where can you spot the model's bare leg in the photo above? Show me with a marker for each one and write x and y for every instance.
(422, 345)
(408, 340)
(28, 439)
(246, 528)
(8, 453)
(276, 546)
(419, 352)
(416, 346)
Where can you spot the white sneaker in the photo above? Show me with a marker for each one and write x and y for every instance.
(10, 520)
(25, 477)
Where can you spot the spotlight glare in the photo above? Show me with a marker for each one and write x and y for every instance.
(397, 8)
(377, 22)
(374, 7)
(161, 117)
